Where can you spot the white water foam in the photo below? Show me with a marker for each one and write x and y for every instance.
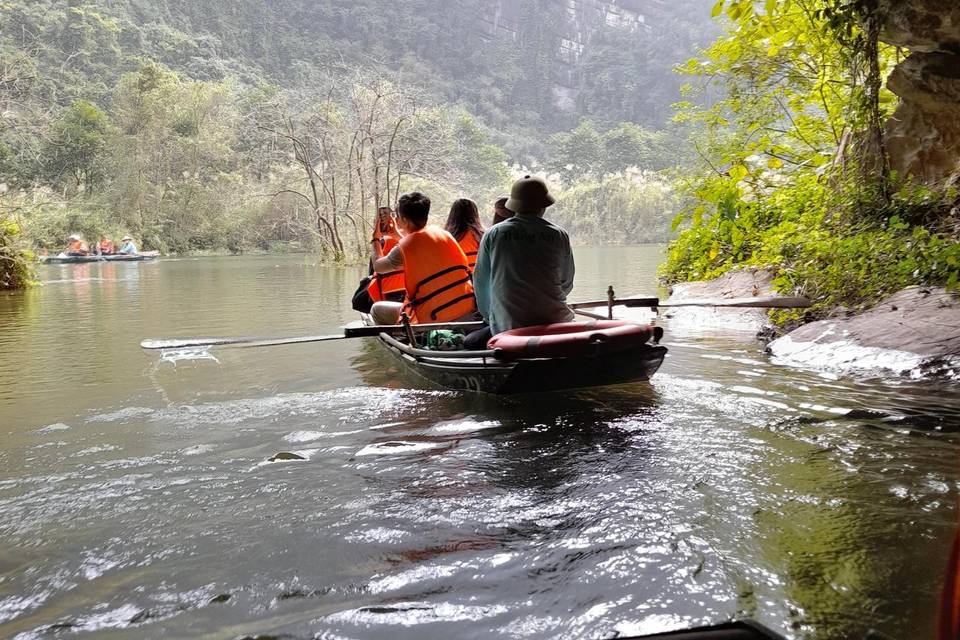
(848, 356)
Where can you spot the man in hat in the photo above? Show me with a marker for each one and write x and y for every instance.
(128, 248)
(524, 266)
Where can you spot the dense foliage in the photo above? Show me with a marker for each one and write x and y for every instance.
(213, 126)
(15, 258)
(793, 175)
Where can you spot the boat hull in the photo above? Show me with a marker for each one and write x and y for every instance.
(81, 259)
(482, 373)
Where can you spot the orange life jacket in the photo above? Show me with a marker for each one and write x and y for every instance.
(78, 246)
(106, 247)
(470, 245)
(437, 277)
(383, 284)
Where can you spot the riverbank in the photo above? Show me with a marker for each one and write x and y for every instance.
(915, 332)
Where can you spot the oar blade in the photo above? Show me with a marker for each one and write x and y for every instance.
(187, 343)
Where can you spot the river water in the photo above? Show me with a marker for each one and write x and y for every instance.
(138, 498)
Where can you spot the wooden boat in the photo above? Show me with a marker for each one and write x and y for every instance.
(740, 630)
(65, 259)
(489, 371)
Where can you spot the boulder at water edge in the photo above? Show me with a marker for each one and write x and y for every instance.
(739, 283)
(915, 332)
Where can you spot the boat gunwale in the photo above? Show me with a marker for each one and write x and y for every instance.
(426, 354)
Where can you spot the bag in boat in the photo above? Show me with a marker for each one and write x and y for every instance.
(361, 300)
(443, 340)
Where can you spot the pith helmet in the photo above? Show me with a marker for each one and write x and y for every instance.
(529, 193)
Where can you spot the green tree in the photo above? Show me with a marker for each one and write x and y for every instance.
(792, 176)
(76, 146)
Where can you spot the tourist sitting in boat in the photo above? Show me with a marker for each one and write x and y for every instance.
(435, 269)
(463, 223)
(385, 286)
(76, 246)
(128, 248)
(106, 246)
(500, 211)
(524, 267)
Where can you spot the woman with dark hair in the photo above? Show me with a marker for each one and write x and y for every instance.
(464, 225)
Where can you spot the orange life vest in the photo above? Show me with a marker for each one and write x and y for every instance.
(470, 245)
(437, 277)
(383, 284)
(78, 246)
(106, 247)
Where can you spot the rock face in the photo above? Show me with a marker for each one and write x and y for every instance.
(923, 136)
(922, 25)
(914, 332)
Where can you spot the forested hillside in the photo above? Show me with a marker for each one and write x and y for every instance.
(212, 125)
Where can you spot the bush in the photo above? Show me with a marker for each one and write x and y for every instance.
(16, 262)
(823, 242)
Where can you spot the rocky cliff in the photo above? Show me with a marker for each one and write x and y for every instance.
(923, 136)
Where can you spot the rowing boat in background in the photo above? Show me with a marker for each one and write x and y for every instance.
(65, 259)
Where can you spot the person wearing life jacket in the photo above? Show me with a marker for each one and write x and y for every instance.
(524, 267)
(463, 223)
(435, 270)
(76, 246)
(106, 246)
(385, 286)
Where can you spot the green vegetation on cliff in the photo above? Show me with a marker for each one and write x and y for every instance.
(793, 174)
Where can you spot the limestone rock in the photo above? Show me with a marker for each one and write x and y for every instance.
(922, 25)
(914, 332)
(923, 136)
(739, 283)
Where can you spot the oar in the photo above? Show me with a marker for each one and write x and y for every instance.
(768, 302)
(348, 332)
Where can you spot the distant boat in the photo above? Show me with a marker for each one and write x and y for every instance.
(119, 257)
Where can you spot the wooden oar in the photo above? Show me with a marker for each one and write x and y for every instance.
(354, 331)
(350, 331)
(768, 302)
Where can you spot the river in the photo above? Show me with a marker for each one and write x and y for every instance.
(138, 497)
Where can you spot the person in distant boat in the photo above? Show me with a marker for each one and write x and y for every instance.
(435, 269)
(463, 223)
(385, 286)
(500, 211)
(76, 246)
(128, 248)
(106, 246)
(524, 267)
